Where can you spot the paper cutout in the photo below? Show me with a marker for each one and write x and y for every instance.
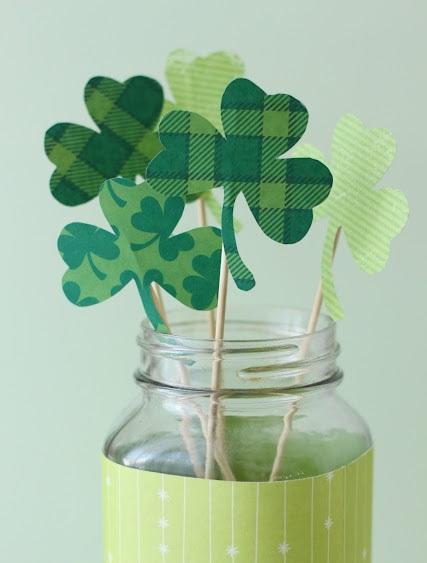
(140, 248)
(197, 84)
(258, 129)
(126, 114)
(370, 218)
(150, 517)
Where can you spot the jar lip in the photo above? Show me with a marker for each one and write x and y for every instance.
(325, 325)
(264, 347)
(292, 390)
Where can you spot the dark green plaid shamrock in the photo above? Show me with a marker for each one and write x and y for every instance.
(126, 114)
(140, 248)
(258, 128)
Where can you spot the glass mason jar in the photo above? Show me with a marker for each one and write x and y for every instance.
(273, 416)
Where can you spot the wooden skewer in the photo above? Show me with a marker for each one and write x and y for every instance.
(185, 425)
(201, 208)
(311, 327)
(216, 452)
(215, 440)
(158, 299)
(287, 427)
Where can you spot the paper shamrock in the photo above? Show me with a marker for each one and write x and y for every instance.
(369, 218)
(258, 129)
(197, 84)
(126, 114)
(141, 248)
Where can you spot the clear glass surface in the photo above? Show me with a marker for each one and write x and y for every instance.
(279, 414)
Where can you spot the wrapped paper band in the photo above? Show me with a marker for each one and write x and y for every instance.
(152, 517)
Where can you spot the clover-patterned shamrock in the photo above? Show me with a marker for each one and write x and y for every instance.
(141, 248)
(126, 114)
(370, 218)
(258, 129)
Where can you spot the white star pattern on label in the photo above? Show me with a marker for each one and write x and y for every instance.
(284, 548)
(163, 523)
(163, 495)
(232, 551)
(328, 523)
(172, 518)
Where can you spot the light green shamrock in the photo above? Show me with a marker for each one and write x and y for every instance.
(370, 218)
(197, 83)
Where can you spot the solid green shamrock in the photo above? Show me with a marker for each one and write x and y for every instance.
(258, 128)
(126, 114)
(141, 248)
(370, 218)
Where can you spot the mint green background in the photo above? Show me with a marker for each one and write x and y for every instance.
(64, 376)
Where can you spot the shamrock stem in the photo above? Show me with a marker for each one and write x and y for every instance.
(151, 309)
(241, 274)
(136, 247)
(318, 300)
(100, 275)
(329, 291)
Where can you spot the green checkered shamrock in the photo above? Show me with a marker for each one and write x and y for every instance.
(197, 84)
(370, 218)
(258, 129)
(126, 114)
(141, 248)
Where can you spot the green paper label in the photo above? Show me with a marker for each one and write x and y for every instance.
(152, 517)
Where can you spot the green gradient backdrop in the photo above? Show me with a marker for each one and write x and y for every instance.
(62, 380)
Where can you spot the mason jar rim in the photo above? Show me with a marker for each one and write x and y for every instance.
(325, 325)
(275, 352)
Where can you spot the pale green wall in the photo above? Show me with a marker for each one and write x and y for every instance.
(66, 372)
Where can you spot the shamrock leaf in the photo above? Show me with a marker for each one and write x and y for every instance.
(140, 248)
(369, 218)
(197, 84)
(153, 219)
(202, 287)
(259, 128)
(73, 292)
(79, 241)
(126, 114)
